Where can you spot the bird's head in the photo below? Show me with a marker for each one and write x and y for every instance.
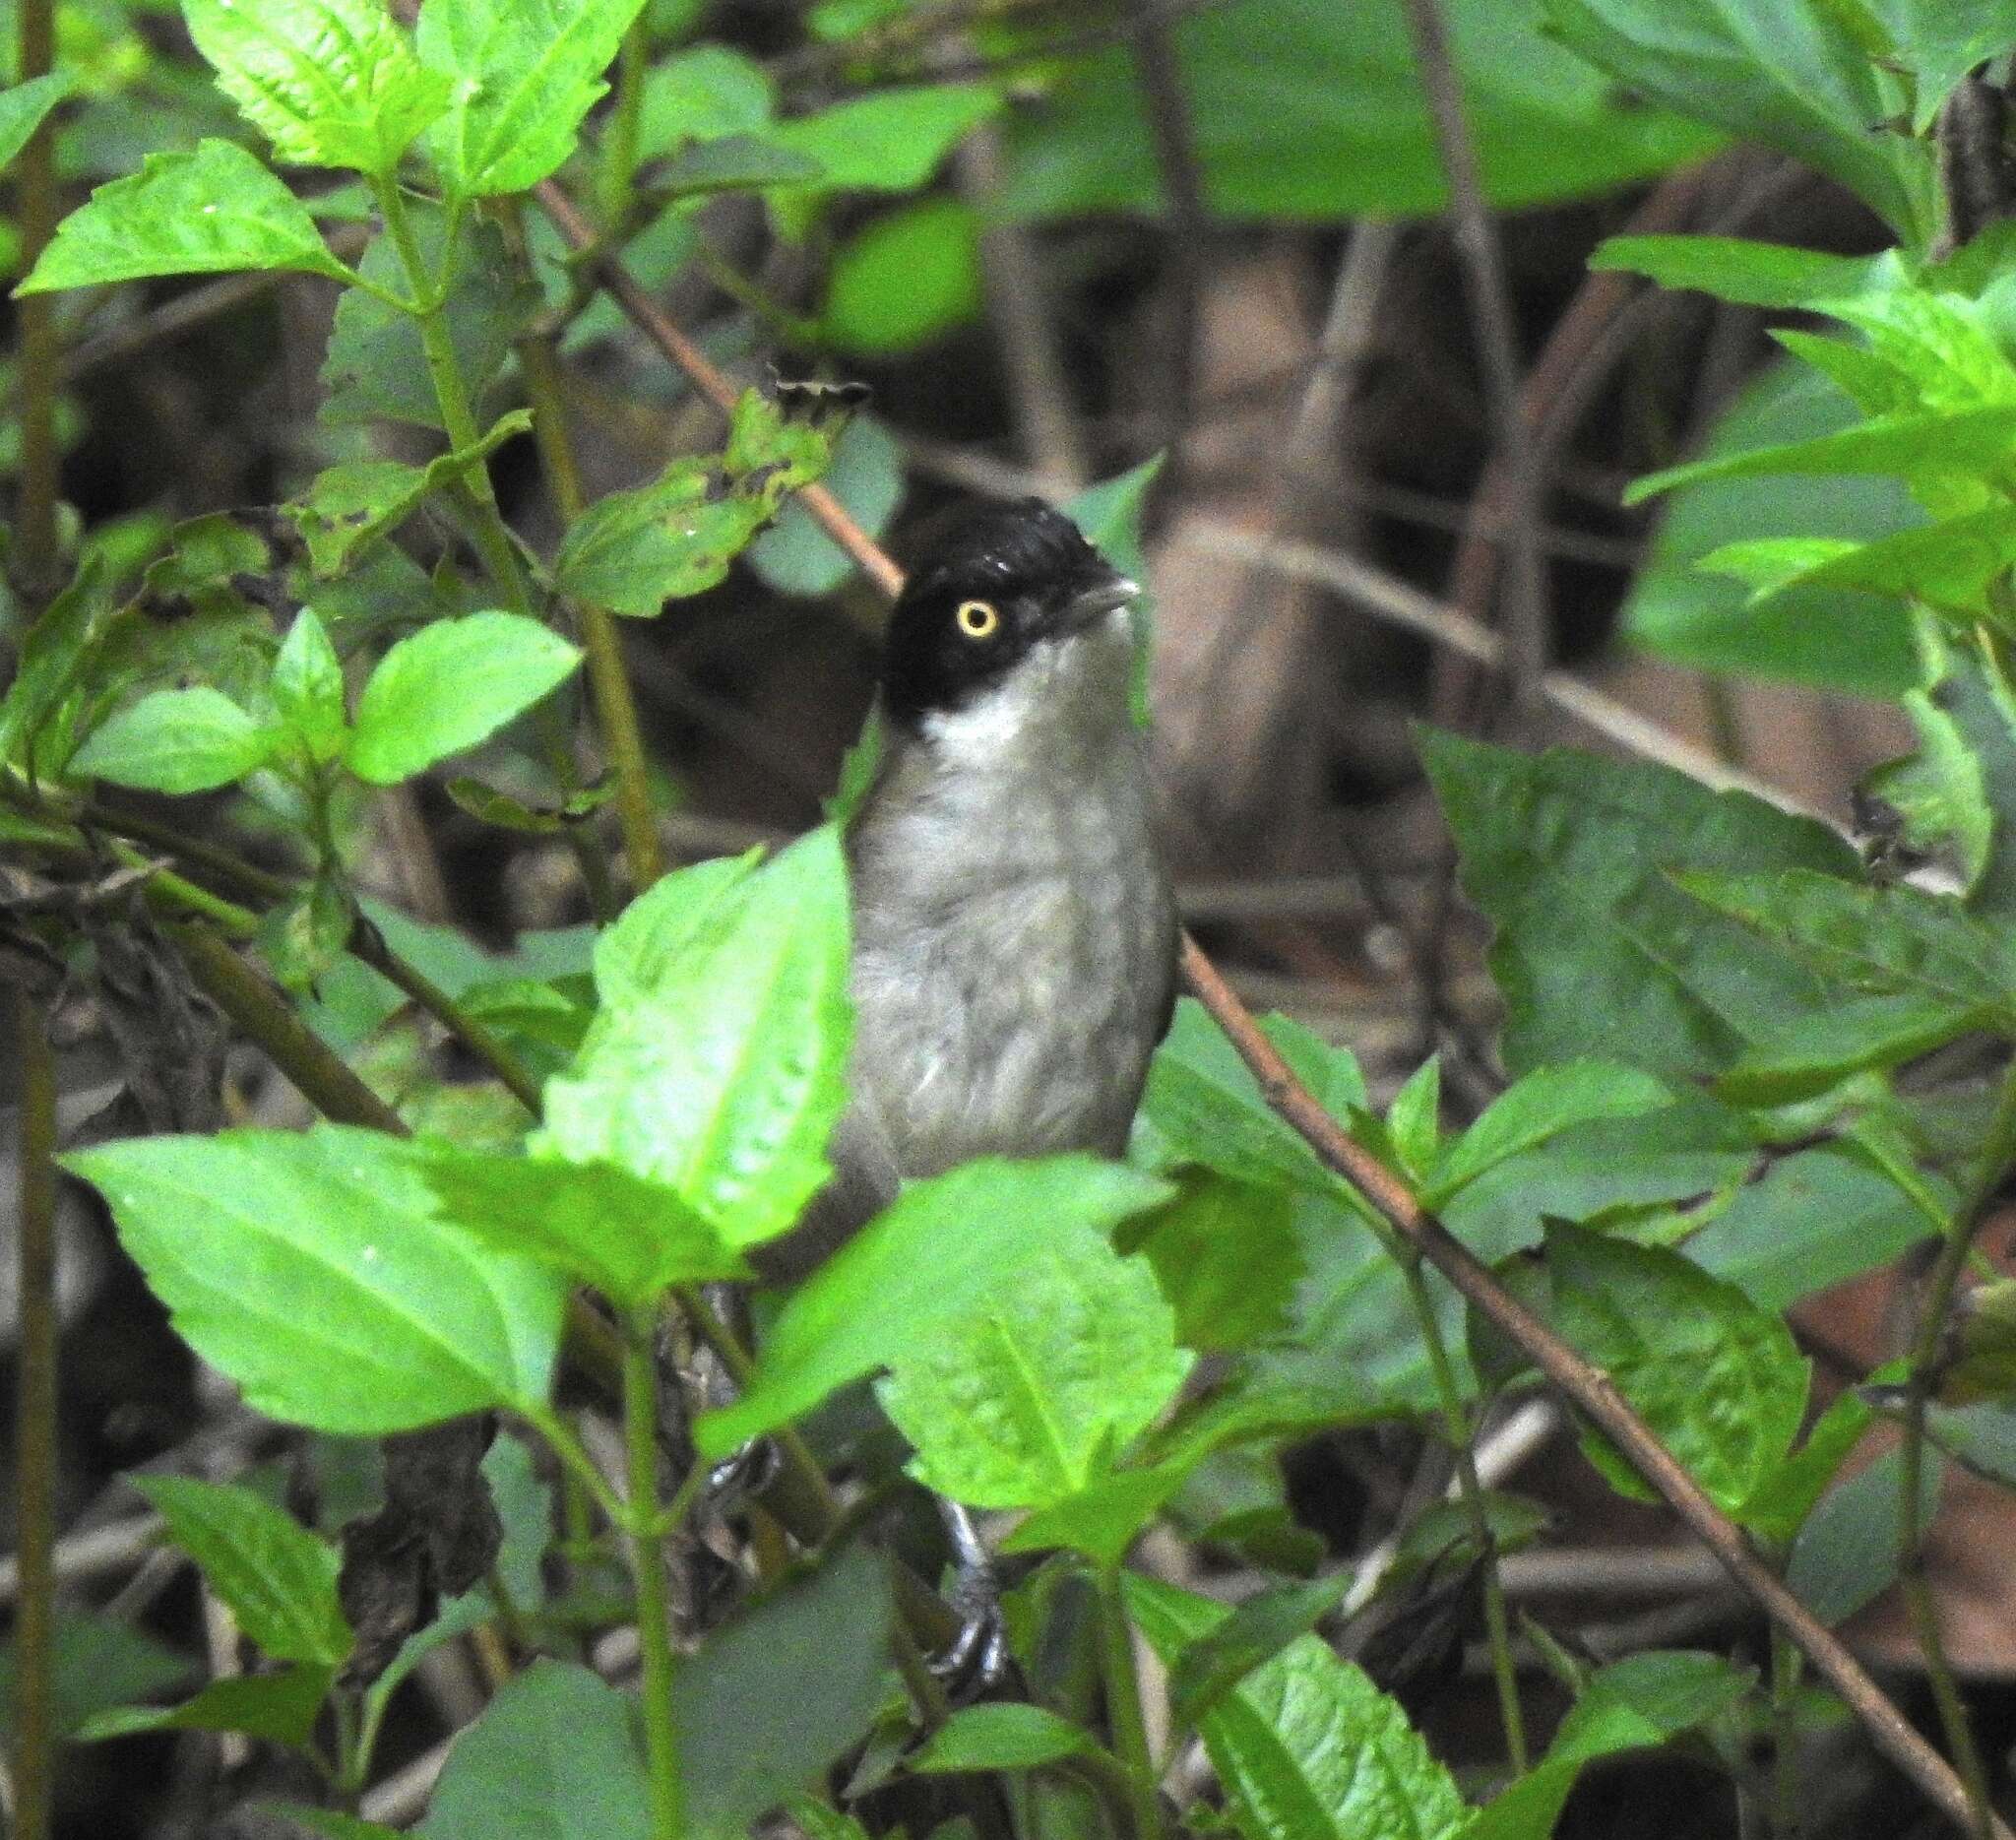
(1011, 605)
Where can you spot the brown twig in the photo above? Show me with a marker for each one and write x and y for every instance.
(1587, 1387)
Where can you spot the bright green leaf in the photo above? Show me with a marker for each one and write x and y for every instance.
(25, 108)
(1413, 1120)
(708, 92)
(999, 1738)
(308, 687)
(1537, 1106)
(890, 141)
(904, 279)
(210, 212)
(330, 83)
(177, 742)
(1022, 1401)
(450, 685)
(945, 1246)
(1750, 274)
(795, 556)
(1257, 1630)
(308, 1268)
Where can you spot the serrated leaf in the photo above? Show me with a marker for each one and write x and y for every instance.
(1413, 1120)
(330, 83)
(555, 1753)
(1537, 1107)
(1257, 1630)
(450, 685)
(309, 1269)
(1720, 1380)
(1749, 273)
(1306, 1747)
(526, 73)
(943, 1246)
(999, 1738)
(308, 687)
(1949, 564)
(716, 1063)
(1022, 1401)
(1227, 1257)
(1890, 941)
(281, 1708)
(600, 1224)
(1816, 1051)
(25, 108)
(52, 658)
(177, 742)
(210, 212)
(1108, 1517)
(277, 1578)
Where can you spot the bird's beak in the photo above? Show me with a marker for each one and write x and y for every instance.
(1107, 597)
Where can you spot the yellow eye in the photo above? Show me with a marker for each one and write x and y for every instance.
(977, 619)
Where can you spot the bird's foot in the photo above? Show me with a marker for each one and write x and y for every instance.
(738, 1480)
(977, 1661)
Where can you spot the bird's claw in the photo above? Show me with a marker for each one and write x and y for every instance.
(742, 1476)
(977, 1660)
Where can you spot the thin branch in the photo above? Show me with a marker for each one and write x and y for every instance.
(1525, 621)
(34, 1622)
(1588, 1388)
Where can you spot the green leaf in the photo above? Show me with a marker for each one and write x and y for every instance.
(716, 1064)
(1816, 1051)
(1020, 1402)
(774, 1696)
(53, 657)
(999, 1738)
(1966, 443)
(892, 140)
(1107, 1517)
(1948, 564)
(1720, 1380)
(1894, 941)
(1750, 274)
(630, 1237)
(281, 1708)
(1315, 114)
(1536, 1108)
(904, 280)
(308, 1269)
(946, 1246)
(1413, 1120)
(26, 106)
(330, 83)
(333, 1824)
(355, 503)
(1227, 1257)
(1845, 1556)
(633, 552)
(210, 212)
(1257, 1630)
(708, 92)
(1306, 1747)
(795, 556)
(1791, 74)
(1597, 952)
(276, 1576)
(526, 73)
(99, 1663)
(555, 1753)
(450, 685)
(376, 368)
(308, 687)
(177, 742)
(1941, 40)
(1855, 642)
(738, 162)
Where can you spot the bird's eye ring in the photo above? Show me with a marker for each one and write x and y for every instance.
(977, 619)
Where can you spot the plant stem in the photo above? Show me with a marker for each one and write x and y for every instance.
(34, 1725)
(647, 1544)
(615, 709)
(618, 175)
(39, 361)
(1998, 1153)
(1785, 1775)
(1455, 1428)
(1123, 1682)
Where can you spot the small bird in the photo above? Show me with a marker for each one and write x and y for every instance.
(1014, 932)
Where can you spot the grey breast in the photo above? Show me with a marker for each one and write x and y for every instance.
(1013, 940)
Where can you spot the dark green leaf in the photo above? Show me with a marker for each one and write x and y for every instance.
(1813, 1052)
(25, 108)
(334, 1825)
(52, 658)
(1105, 1518)
(281, 1708)
(1022, 1401)
(1720, 1380)
(177, 741)
(555, 1753)
(1227, 1257)
(944, 1247)
(277, 1578)
(1597, 952)
(736, 162)
(308, 1268)
(525, 72)
(707, 93)
(210, 212)
(1765, 274)
(999, 1738)
(99, 1663)
(1846, 1554)
(1257, 1630)
(630, 1237)
(450, 685)
(1540, 1105)
(330, 83)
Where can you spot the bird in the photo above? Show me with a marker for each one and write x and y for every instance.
(1014, 931)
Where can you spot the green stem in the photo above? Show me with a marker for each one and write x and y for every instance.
(39, 362)
(1122, 1683)
(35, 1656)
(1997, 1155)
(647, 1541)
(615, 709)
(1455, 1428)
(1786, 1670)
(618, 175)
